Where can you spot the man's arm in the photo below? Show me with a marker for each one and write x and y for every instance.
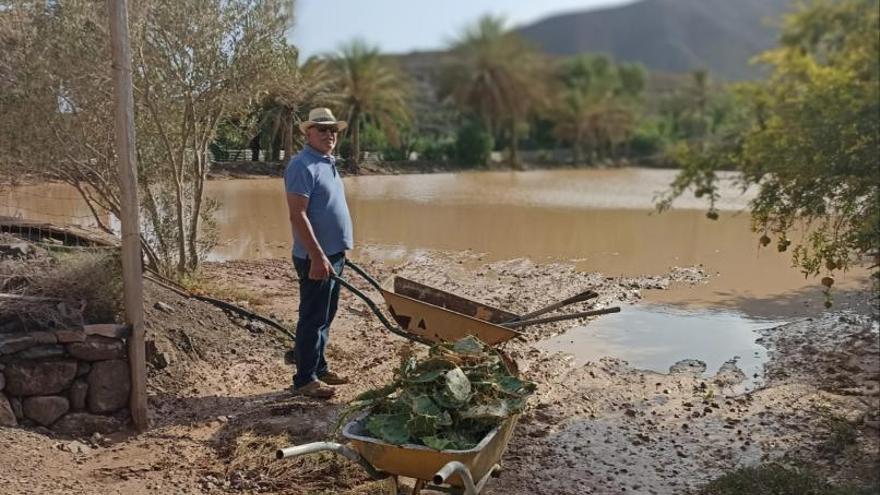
(320, 267)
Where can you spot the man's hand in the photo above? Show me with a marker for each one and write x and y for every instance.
(320, 268)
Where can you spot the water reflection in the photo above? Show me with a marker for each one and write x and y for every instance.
(654, 337)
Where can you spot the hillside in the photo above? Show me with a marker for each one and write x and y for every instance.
(669, 35)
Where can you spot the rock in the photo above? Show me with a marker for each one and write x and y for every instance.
(97, 439)
(111, 330)
(44, 337)
(85, 424)
(159, 359)
(7, 415)
(83, 368)
(688, 366)
(16, 342)
(97, 348)
(70, 336)
(163, 307)
(45, 410)
(109, 386)
(729, 374)
(255, 326)
(39, 377)
(77, 396)
(15, 402)
(75, 447)
(42, 352)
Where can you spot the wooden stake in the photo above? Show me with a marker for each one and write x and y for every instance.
(131, 244)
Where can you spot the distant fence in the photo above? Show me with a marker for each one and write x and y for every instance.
(242, 155)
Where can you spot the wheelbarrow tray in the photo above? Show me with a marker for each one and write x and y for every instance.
(420, 462)
(440, 316)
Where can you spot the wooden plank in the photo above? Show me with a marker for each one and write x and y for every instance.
(131, 245)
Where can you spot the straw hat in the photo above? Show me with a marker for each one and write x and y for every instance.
(322, 116)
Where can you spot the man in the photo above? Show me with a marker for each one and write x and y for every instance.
(322, 232)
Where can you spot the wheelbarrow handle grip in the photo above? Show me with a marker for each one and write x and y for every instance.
(569, 316)
(583, 296)
(311, 448)
(348, 453)
(455, 467)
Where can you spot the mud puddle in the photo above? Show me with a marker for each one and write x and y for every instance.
(656, 337)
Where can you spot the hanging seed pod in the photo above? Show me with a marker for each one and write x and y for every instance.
(764, 240)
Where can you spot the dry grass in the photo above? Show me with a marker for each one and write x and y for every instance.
(232, 293)
(252, 465)
(58, 290)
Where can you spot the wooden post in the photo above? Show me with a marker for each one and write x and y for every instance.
(131, 244)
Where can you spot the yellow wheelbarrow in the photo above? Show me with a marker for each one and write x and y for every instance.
(460, 472)
(428, 315)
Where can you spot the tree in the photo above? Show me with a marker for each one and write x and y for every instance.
(288, 96)
(811, 143)
(497, 77)
(195, 62)
(370, 88)
(595, 107)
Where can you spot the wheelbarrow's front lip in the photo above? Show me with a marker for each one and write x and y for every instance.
(421, 462)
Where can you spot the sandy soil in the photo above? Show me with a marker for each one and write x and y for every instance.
(219, 404)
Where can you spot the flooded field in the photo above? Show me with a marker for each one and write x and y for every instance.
(601, 220)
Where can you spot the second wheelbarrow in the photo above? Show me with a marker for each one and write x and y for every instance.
(430, 315)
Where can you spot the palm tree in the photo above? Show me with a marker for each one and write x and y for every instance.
(370, 88)
(594, 107)
(289, 97)
(495, 75)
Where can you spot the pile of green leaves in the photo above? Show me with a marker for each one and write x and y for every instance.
(449, 400)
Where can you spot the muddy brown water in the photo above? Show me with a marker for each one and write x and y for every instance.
(603, 220)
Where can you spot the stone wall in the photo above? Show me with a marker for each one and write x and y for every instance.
(74, 381)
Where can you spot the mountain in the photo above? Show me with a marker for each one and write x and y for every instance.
(669, 35)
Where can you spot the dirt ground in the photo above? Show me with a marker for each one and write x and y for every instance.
(219, 405)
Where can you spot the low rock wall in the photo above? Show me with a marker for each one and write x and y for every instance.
(74, 381)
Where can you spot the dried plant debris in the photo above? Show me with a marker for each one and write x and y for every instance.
(44, 289)
(448, 401)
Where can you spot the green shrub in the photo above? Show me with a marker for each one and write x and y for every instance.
(473, 145)
(776, 479)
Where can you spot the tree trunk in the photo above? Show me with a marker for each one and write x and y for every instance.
(199, 185)
(288, 136)
(255, 148)
(181, 231)
(353, 165)
(514, 146)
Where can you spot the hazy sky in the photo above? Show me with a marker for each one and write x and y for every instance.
(399, 26)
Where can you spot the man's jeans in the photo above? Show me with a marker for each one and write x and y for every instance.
(317, 307)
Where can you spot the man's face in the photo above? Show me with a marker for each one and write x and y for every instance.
(322, 137)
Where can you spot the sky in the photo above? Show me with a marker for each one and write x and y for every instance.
(401, 26)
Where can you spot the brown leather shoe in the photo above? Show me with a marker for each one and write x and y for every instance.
(316, 389)
(331, 378)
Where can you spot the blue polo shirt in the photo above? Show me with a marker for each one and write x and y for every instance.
(314, 175)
